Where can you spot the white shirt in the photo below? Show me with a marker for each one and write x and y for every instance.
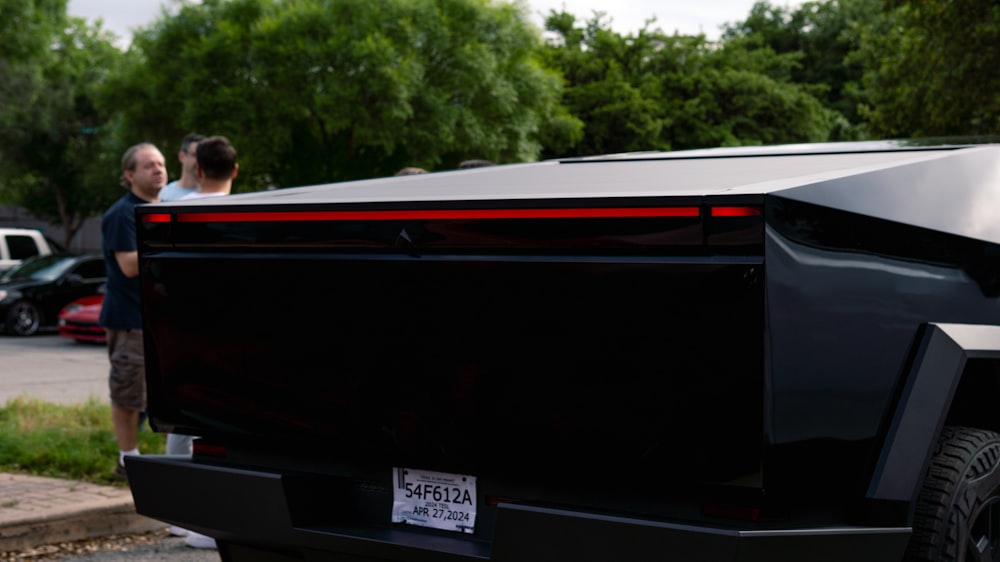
(197, 195)
(174, 192)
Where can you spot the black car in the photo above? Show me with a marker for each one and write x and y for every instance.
(33, 292)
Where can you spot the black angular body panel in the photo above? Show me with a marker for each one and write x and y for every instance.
(690, 349)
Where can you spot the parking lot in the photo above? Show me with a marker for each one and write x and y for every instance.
(52, 368)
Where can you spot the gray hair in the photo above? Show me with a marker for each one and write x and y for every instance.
(129, 161)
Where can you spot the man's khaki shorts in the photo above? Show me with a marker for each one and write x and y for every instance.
(127, 379)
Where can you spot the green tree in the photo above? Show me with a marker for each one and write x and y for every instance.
(931, 68)
(315, 91)
(610, 85)
(736, 97)
(652, 91)
(821, 37)
(24, 37)
(28, 26)
(52, 134)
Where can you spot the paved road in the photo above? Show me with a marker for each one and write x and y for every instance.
(52, 368)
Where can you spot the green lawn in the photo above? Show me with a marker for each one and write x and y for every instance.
(75, 442)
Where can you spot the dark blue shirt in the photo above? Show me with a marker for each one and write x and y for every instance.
(121, 309)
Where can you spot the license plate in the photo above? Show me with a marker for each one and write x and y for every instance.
(439, 500)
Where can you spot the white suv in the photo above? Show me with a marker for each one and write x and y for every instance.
(17, 244)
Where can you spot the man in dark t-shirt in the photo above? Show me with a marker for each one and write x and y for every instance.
(144, 174)
(121, 303)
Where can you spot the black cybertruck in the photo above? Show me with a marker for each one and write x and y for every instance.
(786, 353)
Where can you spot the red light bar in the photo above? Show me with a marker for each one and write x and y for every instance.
(735, 212)
(208, 449)
(425, 214)
(158, 217)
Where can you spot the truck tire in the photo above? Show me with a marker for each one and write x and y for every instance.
(957, 518)
(23, 319)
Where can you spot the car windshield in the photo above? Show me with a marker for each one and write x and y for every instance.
(42, 268)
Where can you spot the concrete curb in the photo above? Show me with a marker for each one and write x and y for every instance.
(36, 511)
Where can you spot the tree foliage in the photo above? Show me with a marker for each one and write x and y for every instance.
(609, 85)
(24, 37)
(52, 138)
(931, 68)
(314, 91)
(652, 91)
(820, 37)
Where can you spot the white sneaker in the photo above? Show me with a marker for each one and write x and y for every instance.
(176, 531)
(198, 540)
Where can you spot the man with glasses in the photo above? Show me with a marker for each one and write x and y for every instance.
(188, 182)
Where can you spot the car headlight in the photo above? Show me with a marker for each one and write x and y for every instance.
(3, 295)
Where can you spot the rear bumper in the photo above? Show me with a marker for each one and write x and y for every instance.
(263, 510)
(94, 334)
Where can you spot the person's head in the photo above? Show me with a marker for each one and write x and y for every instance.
(144, 171)
(474, 164)
(410, 170)
(186, 155)
(217, 159)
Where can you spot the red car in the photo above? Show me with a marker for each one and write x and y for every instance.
(78, 320)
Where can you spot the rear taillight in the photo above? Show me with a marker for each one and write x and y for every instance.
(735, 226)
(202, 449)
(723, 226)
(735, 211)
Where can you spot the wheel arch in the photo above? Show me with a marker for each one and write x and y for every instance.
(950, 378)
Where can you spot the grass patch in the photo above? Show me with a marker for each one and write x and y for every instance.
(75, 442)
